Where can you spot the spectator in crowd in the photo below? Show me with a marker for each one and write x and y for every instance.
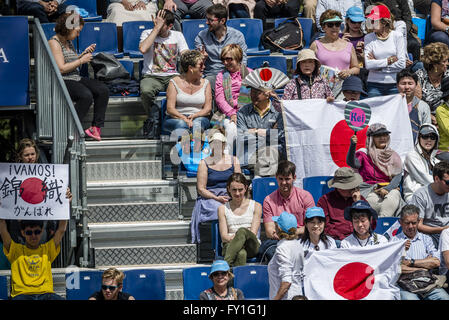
(420, 254)
(442, 118)
(352, 88)
(120, 11)
(221, 276)
(160, 47)
(111, 286)
(331, 50)
(346, 183)
(309, 9)
(439, 12)
(259, 124)
(418, 110)
(230, 95)
(354, 32)
(435, 60)
(420, 6)
(286, 198)
(361, 215)
(31, 277)
(213, 174)
(266, 9)
(432, 201)
(381, 170)
(190, 150)
(419, 163)
(239, 222)
(196, 9)
(212, 40)
(400, 10)
(314, 237)
(239, 8)
(340, 6)
(45, 10)
(82, 90)
(309, 84)
(285, 268)
(385, 53)
(444, 250)
(189, 97)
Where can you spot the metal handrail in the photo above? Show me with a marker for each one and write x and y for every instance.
(57, 121)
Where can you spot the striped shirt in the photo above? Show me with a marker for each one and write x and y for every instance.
(69, 56)
(420, 248)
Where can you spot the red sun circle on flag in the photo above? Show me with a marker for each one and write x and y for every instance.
(265, 74)
(354, 280)
(340, 141)
(33, 190)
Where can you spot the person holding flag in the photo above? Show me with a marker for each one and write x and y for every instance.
(361, 215)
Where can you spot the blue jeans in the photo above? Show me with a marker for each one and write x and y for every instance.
(375, 89)
(171, 124)
(44, 296)
(36, 10)
(435, 294)
(439, 36)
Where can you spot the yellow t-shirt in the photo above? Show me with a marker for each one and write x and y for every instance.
(31, 268)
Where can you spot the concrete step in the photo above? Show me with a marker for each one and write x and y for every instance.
(124, 170)
(119, 192)
(134, 256)
(132, 212)
(121, 150)
(160, 233)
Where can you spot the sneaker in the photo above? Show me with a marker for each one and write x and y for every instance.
(94, 133)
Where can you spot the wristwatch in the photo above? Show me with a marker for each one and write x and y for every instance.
(412, 262)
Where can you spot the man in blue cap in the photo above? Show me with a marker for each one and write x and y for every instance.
(361, 215)
(352, 88)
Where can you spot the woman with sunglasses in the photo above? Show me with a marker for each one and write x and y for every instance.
(354, 33)
(331, 50)
(230, 96)
(385, 53)
(314, 238)
(111, 286)
(221, 275)
(419, 163)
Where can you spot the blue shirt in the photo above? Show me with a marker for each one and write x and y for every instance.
(213, 48)
(420, 248)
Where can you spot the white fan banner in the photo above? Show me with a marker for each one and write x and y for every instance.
(318, 137)
(364, 273)
(34, 191)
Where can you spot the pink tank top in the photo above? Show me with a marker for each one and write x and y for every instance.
(334, 59)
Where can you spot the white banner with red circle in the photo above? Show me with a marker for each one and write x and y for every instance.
(318, 136)
(34, 191)
(364, 273)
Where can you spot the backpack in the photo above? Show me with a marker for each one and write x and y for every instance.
(287, 35)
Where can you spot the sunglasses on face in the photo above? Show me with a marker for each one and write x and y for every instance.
(31, 232)
(429, 136)
(227, 59)
(220, 274)
(106, 287)
(353, 22)
(333, 24)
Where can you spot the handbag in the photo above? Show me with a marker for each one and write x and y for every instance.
(107, 67)
(287, 35)
(419, 281)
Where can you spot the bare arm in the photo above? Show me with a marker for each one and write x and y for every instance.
(428, 229)
(270, 230)
(60, 232)
(283, 289)
(6, 237)
(159, 21)
(201, 184)
(255, 224)
(446, 258)
(428, 263)
(223, 225)
(435, 18)
(59, 58)
(171, 103)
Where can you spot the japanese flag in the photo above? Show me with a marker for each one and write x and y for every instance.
(318, 136)
(368, 273)
(393, 230)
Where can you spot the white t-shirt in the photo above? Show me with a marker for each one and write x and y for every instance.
(309, 247)
(161, 58)
(443, 246)
(352, 241)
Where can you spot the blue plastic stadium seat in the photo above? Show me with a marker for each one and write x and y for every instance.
(195, 280)
(252, 29)
(88, 5)
(422, 28)
(103, 34)
(89, 283)
(49, 29)
(262, 187)
(384, 223)
(3, 288)
(317, 186)
(191, 28)
(132, 31)
(253, 281)
(145, 284)
(277, 62)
